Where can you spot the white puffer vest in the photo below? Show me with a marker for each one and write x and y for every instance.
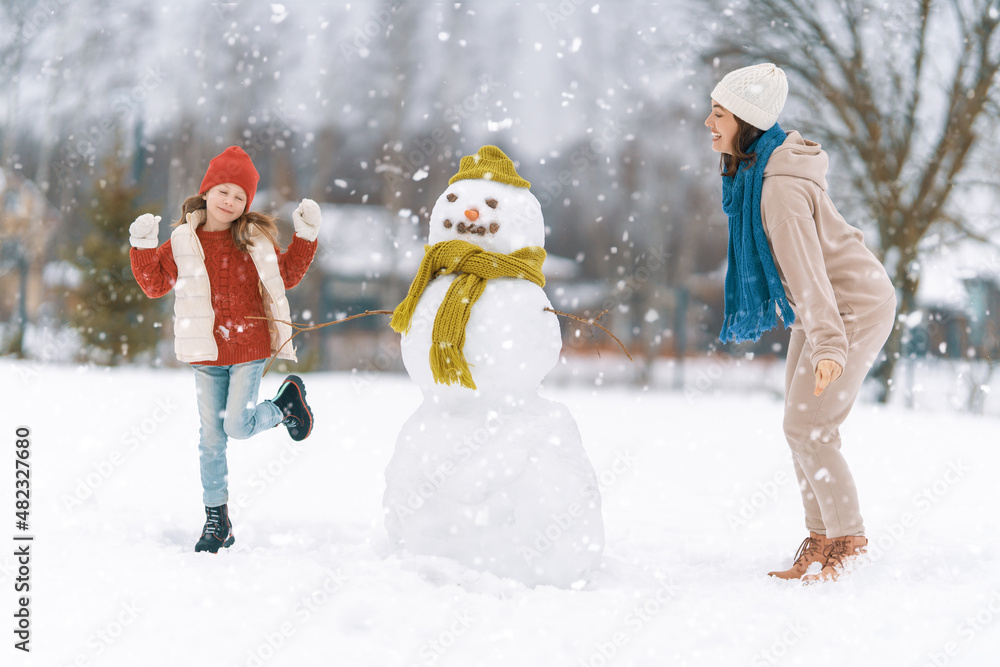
(194, 318)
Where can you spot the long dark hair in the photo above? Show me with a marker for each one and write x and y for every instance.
(241, 229)
(746, 134)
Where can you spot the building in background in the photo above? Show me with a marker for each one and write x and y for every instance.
(27, 224)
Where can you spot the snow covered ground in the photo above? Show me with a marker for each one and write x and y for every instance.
(699, 503)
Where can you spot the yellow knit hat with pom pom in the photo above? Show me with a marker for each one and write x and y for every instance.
(489, 163)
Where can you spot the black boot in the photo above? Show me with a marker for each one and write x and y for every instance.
(291, 399)
(218, 531)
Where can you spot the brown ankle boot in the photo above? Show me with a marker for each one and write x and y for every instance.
(810, 551)
(842, 555)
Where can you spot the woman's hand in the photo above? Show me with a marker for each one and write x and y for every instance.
(826, 372)
(307, 219)
(144, 231)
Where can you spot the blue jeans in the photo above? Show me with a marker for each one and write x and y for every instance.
(228, 408)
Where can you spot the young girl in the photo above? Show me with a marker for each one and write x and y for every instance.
(790, 250)
(226, 269)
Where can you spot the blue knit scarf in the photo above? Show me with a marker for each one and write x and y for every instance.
(753, 287)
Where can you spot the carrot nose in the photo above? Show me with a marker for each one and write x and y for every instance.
(472, 214)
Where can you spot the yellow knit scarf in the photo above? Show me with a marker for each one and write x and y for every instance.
(475, 267)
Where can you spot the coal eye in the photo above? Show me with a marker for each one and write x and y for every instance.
(452, 197)
(492, 203)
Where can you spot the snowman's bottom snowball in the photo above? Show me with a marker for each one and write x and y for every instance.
(509, 491)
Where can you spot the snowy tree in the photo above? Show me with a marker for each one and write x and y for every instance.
(112, 315)
(905, 94)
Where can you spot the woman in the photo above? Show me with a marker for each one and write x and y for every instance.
(791, 251)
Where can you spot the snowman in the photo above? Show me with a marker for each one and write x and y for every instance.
(486, 471)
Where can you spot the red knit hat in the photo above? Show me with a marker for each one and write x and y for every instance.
(232, 165)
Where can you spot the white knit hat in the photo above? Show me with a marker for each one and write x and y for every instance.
(755, 94)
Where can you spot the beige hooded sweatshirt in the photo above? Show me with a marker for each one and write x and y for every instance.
(834, 283)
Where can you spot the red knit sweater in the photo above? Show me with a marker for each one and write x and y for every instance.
(235, 286)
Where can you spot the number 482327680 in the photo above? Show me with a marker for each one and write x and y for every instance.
(22, 476)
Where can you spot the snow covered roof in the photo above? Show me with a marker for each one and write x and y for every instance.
(364, 242)
(945, 269)
(577, 296)
(368, 242)
(31, 201)
(560, 268)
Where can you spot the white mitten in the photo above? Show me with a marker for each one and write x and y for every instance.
(144, 231)
(307, 220)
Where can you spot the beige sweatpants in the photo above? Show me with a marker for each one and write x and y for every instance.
(812, 428)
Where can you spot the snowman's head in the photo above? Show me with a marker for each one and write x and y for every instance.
(488, 205)
(495, 216)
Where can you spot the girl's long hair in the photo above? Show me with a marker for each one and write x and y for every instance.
(746, 134)
(241, 227)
